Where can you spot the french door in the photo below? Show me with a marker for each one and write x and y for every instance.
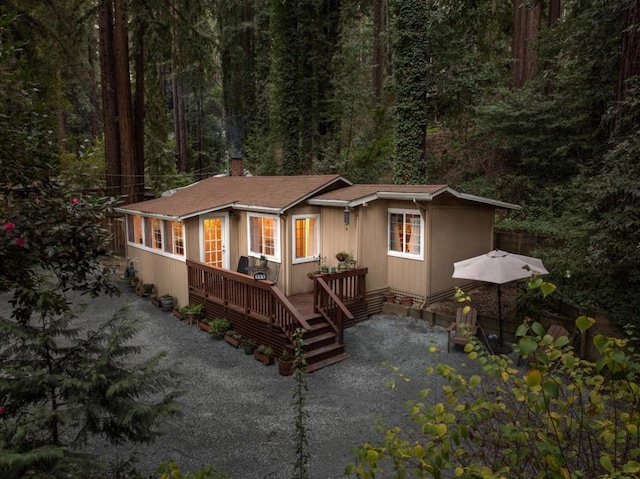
(214, 239)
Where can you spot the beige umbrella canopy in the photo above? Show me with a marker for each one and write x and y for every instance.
(498, 267)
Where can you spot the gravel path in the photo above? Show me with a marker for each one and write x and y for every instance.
(237, 413)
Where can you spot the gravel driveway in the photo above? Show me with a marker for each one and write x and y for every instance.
(237, 413)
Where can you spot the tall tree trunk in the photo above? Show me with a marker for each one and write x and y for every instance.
(555, 12)
(125, 113)
(380, 68)
(60, 110)
(109, 101)
(91, 76)
(526, 26)
(139, 110)
(629, 69)
(179, 123)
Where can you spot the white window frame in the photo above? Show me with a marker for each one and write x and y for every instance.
(224, 217)
(403, 254)
(131, 235)
(174, 238)
(305, 259)
(276, 237)
(144, 246)
(154, 239)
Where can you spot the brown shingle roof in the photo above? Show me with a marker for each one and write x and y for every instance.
(244, 192)
(356, 192)
(359, 194)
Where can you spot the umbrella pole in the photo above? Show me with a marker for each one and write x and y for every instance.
(500, 312)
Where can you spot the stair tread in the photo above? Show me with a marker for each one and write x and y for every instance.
(309, 355)
(327, 362)
(310, 341)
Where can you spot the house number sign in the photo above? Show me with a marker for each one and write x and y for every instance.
(260, 276)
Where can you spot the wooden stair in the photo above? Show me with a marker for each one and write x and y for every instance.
(321, 347)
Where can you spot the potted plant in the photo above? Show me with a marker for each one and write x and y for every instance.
(147, 289)
(351, 263)
(285, 363)
(263, 261)
(342, 256)
(233, 338)
(218, 327)
(406, 300)
(264, 354)
(389, 297)
(166, 300)
(132, 282)
(249, 345)
(192, 313)
(324, 268)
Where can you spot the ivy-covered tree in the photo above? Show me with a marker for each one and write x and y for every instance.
(412, 80)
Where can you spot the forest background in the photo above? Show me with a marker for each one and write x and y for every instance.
(531, 102)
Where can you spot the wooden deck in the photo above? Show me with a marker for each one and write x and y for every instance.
(259, 311)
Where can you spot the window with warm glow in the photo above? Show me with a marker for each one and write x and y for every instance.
(306, 238)
(156, 229)
(213, 241)
(406, 234)
(174, 238)
(135, 229)
(264, 232)
(177, 234)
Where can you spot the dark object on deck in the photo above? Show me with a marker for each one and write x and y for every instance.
(243, 265)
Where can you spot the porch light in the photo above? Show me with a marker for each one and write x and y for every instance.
(232, 214)
(346, 216)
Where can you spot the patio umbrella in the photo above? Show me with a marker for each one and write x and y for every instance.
(498, 267)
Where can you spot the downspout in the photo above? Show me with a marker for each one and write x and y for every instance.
(424, 210)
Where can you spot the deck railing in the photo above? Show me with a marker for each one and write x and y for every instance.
(259, 299)
(333, 291)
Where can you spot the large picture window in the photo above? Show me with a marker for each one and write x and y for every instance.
(264, 234)
(306, 238)
(406, 234)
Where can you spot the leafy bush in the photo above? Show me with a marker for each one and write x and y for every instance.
(562, 417)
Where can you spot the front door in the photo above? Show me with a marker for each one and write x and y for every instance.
(214, 239)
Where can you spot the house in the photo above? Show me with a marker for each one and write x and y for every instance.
(404, 238)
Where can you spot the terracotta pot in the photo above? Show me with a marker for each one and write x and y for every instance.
(203, 326)
(232, 341)
(406, 301)
(285, 368)
(390, 297)
(266, 360)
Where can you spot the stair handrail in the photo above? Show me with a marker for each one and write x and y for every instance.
(335, 301)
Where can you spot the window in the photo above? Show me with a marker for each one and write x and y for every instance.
(406, 238)
(177, 236)
(135, 229)
(156, 235)
(306, 238)
(264, 232)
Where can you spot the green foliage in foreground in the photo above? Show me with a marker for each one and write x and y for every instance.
(561, 418)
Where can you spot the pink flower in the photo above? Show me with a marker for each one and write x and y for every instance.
(9, 227)
(1, 409)
(75, 200)
(20, 241)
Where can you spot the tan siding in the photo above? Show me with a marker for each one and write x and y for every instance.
(335, 236)
(192, 232)
(457, 233)
(372, 229)
(167, 274)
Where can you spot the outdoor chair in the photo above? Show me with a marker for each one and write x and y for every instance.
(464, 327)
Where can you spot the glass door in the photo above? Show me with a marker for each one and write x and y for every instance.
(214, 239)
